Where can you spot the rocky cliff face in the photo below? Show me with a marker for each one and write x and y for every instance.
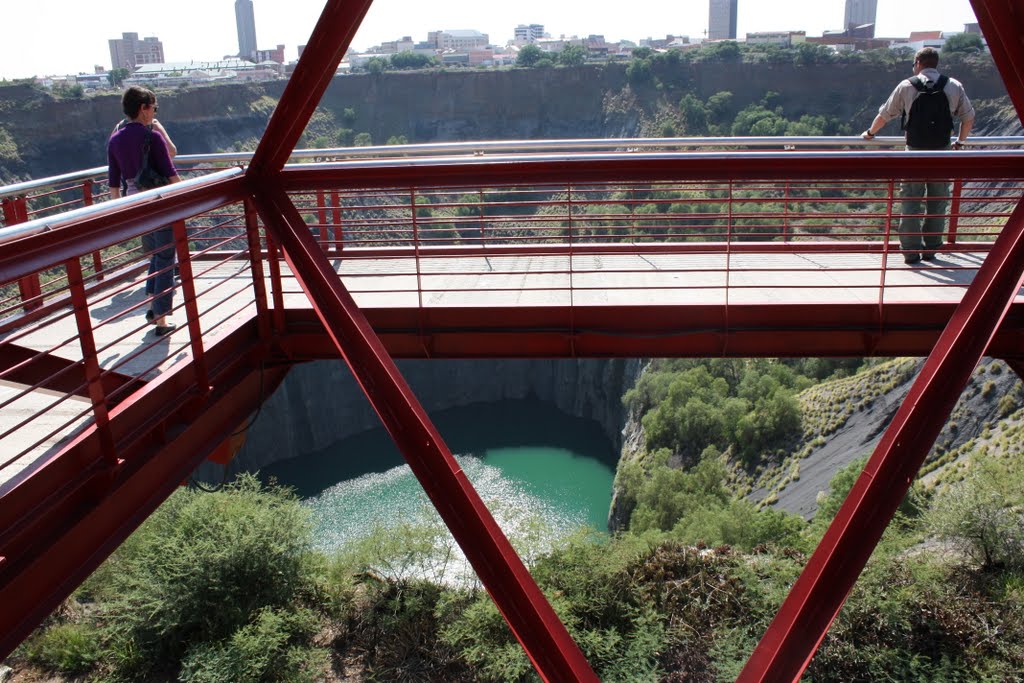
(320, 403)
(58, 136)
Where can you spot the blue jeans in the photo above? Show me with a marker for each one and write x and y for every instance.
(161, 269)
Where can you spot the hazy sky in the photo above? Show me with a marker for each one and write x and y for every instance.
(42, 37)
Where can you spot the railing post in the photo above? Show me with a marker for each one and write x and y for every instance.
(90, 360)
(954, 210)
(891, 189)
(188, 290)
(321, 214)
(16, 211)
(785, 213)
(259, 286)
(416, 252)
(276, 284)
(483, 236)
(97, 256)
(338, 236)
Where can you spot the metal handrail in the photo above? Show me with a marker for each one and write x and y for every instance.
(53, 222)
(477, 148)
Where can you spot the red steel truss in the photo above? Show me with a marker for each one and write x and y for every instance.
(145, 437)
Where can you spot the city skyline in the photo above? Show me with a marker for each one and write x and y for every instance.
(205, 30)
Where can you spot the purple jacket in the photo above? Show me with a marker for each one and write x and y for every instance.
(124, 154)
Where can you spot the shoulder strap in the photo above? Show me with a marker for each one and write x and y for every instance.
(941, 83)
(145, 147)
(917, 83)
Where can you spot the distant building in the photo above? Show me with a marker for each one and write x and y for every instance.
(232, 70)
(668, 42)
(921, 39)
(859, 13)
(275, 55)
(722, 20)
(460, 40)
(128, 52)
(972, 28)
(391, 47)
(785, 38)
(528, 34)
(245, 23)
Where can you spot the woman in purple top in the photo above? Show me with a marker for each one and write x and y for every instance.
(124, 159)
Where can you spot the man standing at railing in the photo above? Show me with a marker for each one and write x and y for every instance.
(927, 104)
(125, 158)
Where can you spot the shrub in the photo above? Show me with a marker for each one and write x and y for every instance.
(983, 516)
(201, 567)
(68, 648)
(269, 650)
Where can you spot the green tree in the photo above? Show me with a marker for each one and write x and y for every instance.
(963, 42)
(639, 71)
(116, 77)
(758, 121)
(726, 51)
(529, 55)
(376, 65)
(573, 54)
(720, 106)
(694, 115)
(348, 116)
(363, 140)
(397, 140)
(411, 60)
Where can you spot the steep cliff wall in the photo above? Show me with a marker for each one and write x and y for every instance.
(320, 404)
(58, 136)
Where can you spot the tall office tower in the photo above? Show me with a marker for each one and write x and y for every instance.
(860, 13)
(245, 22)
(722, 20)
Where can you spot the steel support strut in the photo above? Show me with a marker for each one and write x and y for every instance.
(814, 601)
(547, 643)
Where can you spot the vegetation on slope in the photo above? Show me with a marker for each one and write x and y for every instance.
(224, 587)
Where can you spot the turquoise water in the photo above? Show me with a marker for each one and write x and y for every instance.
(543, 474)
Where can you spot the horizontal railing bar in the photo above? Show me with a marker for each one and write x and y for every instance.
(186, 161)
(78, 215)
(556, 171)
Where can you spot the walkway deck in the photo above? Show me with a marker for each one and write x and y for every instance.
(126, 344)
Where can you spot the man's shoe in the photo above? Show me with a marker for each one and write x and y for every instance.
(913, 257)
(161, 330)
(928, 256)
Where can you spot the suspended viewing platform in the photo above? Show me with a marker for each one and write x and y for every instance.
(631, 248)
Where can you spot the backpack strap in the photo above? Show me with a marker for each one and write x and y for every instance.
(145, 147)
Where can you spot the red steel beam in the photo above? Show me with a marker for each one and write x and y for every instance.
(692, 331)
(1002, 24)
(786, 648)
(319, 63)
(543, 636)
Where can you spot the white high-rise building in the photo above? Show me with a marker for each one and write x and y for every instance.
(722, 19)
(859, 13)
(528, 34)
(245, 22)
